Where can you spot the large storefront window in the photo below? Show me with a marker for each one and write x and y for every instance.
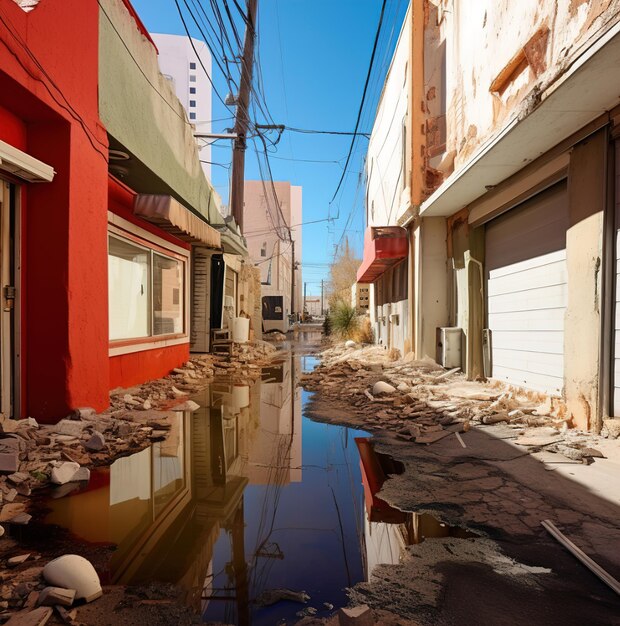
(146, 291)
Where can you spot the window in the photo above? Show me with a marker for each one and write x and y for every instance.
(146, 291)
(192, 103)
(192, 116)
(192, 89)
(167, 283)
(192, 78)
(192, 66)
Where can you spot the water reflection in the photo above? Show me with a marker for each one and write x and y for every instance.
(387, 530)
(246, 495)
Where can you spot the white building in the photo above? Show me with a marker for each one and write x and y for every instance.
(184, 69)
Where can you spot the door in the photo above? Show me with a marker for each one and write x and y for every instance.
(527, 291)
(7, 286)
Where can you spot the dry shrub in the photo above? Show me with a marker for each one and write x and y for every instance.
(344, 320)
(393, 354)
(363, 333)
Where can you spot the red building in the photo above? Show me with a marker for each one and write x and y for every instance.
(95, 277)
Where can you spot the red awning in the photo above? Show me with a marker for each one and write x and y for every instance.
(384, 246)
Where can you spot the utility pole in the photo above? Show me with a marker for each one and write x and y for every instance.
(292, 276)
(305, 285)
(242, 120)
(322, 297)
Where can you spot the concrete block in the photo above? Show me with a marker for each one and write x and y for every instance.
(71, 571)
(356, 616)
(9, 462)
(53, 596)
(69, 427)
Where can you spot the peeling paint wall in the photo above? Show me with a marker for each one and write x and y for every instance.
(489, 60)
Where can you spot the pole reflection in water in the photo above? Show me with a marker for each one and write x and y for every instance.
(245, 496)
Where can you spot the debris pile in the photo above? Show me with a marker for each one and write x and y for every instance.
(243, 365)
(423, 403)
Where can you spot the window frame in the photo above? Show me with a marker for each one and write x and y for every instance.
(126, 231)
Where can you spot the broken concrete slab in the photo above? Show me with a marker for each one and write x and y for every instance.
(69, 471)
(611, 428)
(9, 511)
(9, 462)
(96, 442)
(53, 596)
(357, 616)
(37, 617)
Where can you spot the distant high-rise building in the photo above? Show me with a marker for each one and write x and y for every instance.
(184, 69)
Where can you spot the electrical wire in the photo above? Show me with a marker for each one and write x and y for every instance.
(361, 107)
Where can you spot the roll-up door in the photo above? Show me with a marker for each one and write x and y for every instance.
(200, 316)
(527, 291)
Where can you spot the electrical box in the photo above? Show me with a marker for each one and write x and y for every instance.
(450, 347)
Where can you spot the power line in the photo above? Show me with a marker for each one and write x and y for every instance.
(359, 113)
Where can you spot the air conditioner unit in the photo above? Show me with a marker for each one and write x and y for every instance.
(23, 165)
(450, 347)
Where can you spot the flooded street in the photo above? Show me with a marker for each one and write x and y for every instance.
(245, 496)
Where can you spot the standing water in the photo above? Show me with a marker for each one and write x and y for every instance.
(245, 496)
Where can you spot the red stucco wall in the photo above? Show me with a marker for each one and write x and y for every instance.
(135, 368)
(52, 107)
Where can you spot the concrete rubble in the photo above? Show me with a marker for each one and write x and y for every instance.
(35, 457)
(424, 403)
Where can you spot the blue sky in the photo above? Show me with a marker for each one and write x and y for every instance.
(314, 56)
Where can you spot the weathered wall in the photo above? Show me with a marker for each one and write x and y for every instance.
(431, 284)
(140, 110)
(485, 62)
(587, 196)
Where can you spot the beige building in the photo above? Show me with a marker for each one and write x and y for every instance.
(509, 199)
(270, 213)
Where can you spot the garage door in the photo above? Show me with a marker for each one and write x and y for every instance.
(527, 291)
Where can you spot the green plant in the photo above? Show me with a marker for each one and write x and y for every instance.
(344, 320)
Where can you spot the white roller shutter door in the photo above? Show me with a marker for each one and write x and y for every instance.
(527, 291)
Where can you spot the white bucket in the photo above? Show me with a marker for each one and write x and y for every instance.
(240, 329)
(240, 396)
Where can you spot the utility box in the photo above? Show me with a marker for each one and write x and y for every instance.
(450, 347)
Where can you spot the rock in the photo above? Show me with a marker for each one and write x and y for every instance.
(350, 344)
(496, 418)
(14, 561)
(28, 422)
(271, 596)
(9, 462)
(52, 596)
(382, 387)
(611, 427)
(71, 571)
(85, 412)
(404, 387)
(188, 405)
(592, 452)
(38, 617)
(69, 427)
(357, 616)
(9, 511)
(96, 442)
(2, 531)
(21, 518)
(68, 472)
(82, 474)
(18, 477)
(177, 392)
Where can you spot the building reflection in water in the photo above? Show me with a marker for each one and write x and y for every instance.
(387, 530)
(165, 507)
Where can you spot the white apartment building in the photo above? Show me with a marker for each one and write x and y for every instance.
(184, 69)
